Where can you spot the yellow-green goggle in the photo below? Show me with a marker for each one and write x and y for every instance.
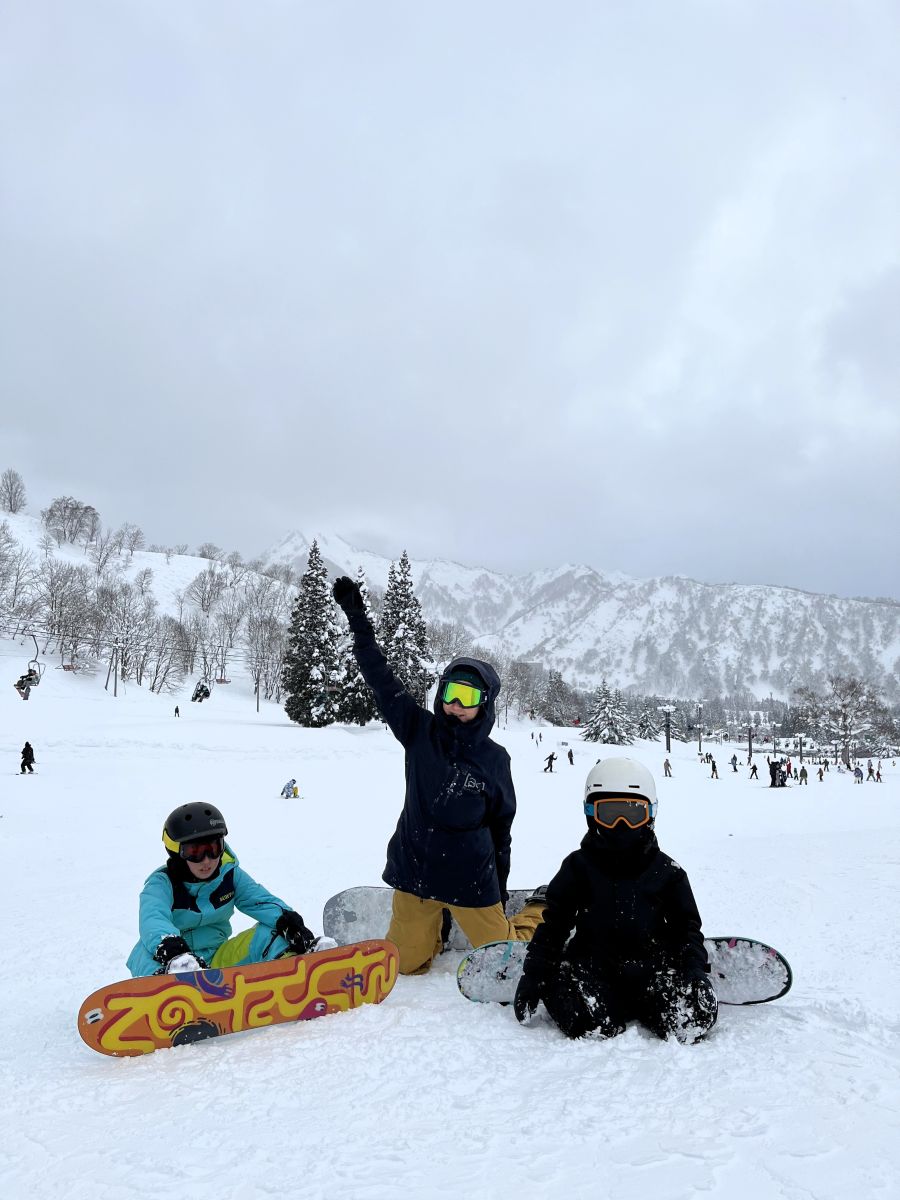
(463, 693)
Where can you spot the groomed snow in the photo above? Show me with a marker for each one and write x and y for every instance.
(428, 1095)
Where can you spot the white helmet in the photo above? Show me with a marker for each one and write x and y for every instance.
(621, 777)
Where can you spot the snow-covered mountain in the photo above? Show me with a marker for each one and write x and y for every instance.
(670, 635)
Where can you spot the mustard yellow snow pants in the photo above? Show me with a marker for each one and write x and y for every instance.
(415, 927)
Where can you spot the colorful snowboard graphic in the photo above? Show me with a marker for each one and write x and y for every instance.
(743, 971)
(138, 1016)
(365, 912)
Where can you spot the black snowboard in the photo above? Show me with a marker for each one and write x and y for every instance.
(743, 971)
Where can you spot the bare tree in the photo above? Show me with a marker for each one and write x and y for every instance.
(89, 525)
(210, 550)
(143, 580)
(132, 538)
(12, 491)
(103, 549)
(206, 589)
(237, 569)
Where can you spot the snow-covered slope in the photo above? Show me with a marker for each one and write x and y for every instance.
(672, 635)
(429, 1096)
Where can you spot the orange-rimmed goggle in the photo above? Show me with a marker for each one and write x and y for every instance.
(463, 693)
(608, 811)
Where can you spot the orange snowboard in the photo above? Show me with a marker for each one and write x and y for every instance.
(138, 1016)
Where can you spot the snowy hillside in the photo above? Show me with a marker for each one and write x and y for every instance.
(429, 1096)
(672, 636)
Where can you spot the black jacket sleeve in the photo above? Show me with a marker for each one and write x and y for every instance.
(545, 950)
(396, 705)
(501, 825)
(686, 927)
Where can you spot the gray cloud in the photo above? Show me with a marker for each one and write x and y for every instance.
(514, 286)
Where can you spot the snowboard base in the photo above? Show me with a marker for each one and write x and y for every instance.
(365, 912)
(743, 971)
(138, 1016)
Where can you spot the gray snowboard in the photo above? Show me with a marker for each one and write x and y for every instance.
(743, 971)
(355, 914)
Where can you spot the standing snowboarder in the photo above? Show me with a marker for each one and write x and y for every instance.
(549, 760)
(571, 757)
(177, 713)
(754, 774)
(451, 847)
(27, 759)
(734, 763)
(667, 769)
(621, 938)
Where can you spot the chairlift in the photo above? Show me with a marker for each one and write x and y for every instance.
(32, 676)
(201, 692)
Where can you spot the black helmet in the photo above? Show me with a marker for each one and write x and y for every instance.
(192, 823)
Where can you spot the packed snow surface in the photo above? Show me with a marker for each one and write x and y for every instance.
(428, 1095)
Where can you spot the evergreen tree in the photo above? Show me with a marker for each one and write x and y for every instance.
(402, 633)
(555, 704)
(608, 721)
(356, 703)
(647, 722)
(311, 675)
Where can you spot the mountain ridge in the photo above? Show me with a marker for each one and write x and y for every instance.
(670, 634)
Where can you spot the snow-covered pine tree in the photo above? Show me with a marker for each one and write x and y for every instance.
(648, 722)
(356, 703)
(311, 674)
(607, 720)
(402, 634)
(555, 704)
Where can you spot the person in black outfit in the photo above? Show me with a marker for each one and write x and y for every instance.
(27, 759)
(621, 937)
(549, 760)
(451, 847)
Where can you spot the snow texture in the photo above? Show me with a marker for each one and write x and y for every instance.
(428, 1095)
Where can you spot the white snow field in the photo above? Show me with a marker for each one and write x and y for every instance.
(428, 1095)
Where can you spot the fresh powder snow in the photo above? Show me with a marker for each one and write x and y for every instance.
(428, 1095)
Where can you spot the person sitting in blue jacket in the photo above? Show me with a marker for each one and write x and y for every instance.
(186, 905)
(451, 847)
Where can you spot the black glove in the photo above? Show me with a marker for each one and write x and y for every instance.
(290, 926)
(171, 947)
(348, 596)
(528, 995)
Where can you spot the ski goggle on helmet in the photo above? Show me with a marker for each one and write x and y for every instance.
(195, 831)
(620, 790)
(469, 695)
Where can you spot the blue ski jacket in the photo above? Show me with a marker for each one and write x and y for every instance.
(200, 912)
(452, 841)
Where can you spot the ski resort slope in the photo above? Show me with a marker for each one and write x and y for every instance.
(428, 1095)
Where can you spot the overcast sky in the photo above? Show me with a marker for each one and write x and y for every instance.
(510, 283)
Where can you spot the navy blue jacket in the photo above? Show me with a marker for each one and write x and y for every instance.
(452, 841)
(625, 915)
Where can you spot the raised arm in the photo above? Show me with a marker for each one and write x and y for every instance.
(397, 706)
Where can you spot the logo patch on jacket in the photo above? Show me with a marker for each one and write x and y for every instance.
(472, 784)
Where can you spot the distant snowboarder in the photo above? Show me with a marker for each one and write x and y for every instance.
(288, 790)
(27, 759)
(550, 760)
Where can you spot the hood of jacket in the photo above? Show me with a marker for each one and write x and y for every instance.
(481, 727)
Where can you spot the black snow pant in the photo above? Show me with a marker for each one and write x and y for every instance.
(582, 1000)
